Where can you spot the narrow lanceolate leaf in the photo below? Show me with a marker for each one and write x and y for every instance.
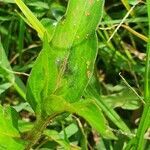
(66, 70)
(109, 112)
(80, 20)
(36, 24)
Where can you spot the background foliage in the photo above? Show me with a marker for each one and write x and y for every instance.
(119, 72)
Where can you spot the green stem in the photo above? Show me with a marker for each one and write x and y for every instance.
(145, 121)
(21, 39)
(35, 134)
(19, 90)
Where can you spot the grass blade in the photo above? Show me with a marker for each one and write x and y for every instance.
(139, 141)
(111, 114)
(36, 24)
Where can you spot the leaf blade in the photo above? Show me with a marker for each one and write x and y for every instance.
(36, 24)
(80, 20)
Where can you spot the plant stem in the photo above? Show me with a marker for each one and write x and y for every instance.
(19, 90)
(145, 121)
(35, 134)
(21, 39)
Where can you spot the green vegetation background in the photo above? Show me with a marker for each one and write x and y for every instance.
(119, 68)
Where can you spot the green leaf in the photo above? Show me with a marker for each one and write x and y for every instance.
(125, 99)
(79, 69)
(69, 81)
(92, 113)
(36, 24)
(20, 87)
(69, 131)
(5, 68)
(87, 109)
(64, 68)
(8, 122)
(25, 126)
(9, 134)
(94, 94)
(54, 135)
(55, 104)
(79, 22)
(7, 75)
(63, 72)
(5, 71)
(8, 1)
(50, 26)
(43, 77)
(9, 143)
(4, 87)
(38, 4)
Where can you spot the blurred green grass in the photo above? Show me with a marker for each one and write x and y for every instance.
(125, 53)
